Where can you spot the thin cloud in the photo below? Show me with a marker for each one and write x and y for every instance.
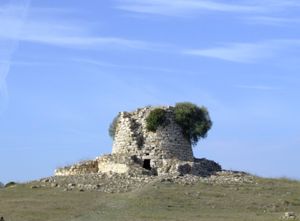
(64, 35)
(266, 12)
(179, 7)
(235, 52)
(257, 87)
(247, 52)
(138, 67)
(271, 20)
(9, 46)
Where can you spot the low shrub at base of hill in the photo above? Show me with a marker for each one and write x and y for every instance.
(9, 184)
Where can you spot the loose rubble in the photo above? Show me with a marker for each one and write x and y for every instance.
(289, 216)
(117, 183)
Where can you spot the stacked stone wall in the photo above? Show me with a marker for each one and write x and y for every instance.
(90, 166)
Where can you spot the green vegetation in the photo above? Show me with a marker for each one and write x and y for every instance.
(9, 184)
(194, 121)
(263, 200)
(113, 127)
(156, 118)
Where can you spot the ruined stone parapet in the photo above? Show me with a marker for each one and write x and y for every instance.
(110, 163)
(85, 167)
(132, 166)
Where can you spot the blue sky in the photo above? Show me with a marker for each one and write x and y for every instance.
(68, 67)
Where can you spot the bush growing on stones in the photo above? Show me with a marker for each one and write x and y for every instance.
(194, 121)
(113, 127)
(9, 184)
(156, 118)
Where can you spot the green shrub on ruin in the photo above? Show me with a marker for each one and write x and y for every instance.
(194, 121)
(113, 126)
(156, 118)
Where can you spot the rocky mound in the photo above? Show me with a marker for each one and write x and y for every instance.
(116, 183)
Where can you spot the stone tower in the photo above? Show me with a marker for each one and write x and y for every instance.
(167, 143)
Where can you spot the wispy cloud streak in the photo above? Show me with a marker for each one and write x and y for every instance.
(246, 52)
(267, 12)
(16, 10)
(112, 65)
(257, 87)
(272, 20)
(63, 34)
(235, 52)
(179, 7)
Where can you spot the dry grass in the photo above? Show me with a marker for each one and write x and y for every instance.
(266, 200)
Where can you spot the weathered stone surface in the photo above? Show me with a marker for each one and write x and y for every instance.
(114, 163)
(167, 142)
(54, 184)
(289, 216)
(89, 166)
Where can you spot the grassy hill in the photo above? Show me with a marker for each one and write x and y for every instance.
(264, 199)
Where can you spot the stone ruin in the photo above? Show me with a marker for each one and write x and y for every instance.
(137, 151)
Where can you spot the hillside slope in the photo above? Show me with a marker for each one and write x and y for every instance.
(261, 199)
